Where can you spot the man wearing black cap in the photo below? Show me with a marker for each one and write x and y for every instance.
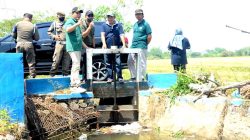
(112, 34)
(25, 32)
(56, 32)
(88, 31)
(74, 46)
(141, 38)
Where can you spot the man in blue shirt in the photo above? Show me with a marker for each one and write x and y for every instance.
(112, 34)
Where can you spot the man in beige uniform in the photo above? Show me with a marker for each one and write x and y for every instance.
(25, 32)
(56, 32)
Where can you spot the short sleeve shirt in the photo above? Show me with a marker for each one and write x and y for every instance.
(74, 38)
(112, 34)
(88, 40)
(141, 30)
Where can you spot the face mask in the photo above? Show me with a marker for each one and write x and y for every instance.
(61, 18)
(89, 19)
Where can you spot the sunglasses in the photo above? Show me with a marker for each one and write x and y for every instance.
(138, 14)
(78, 13)
(91, 15)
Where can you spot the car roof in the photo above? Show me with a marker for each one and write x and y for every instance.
(43, 24)
(47, 24)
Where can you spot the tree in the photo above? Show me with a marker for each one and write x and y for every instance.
(100, 15)
(101, 11)
(195, 54)
(155, 53)
(243, 52)
(7, 25)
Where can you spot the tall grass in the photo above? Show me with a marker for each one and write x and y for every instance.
(225, 69)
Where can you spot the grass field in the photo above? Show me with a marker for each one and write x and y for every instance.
(225, 69)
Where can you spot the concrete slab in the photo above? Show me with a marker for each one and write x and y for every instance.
(162, 80)
(86, 95)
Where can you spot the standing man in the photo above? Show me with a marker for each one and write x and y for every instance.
(56, 32)
(112, 34)
(25, 32)
(74, 46)
(88, 31)
(141, 38)
(178, 46)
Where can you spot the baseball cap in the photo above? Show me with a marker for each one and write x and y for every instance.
(76, 9)
(60, 13)
(138, 11)
(110, 13)
(28, 15)
(89, 12)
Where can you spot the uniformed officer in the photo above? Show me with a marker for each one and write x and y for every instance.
(88, 30)
(56, 32)
(25, 32)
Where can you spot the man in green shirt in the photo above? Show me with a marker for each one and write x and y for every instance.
(141, 38)
(74, 46)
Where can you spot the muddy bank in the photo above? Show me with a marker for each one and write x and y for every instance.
(208, 118)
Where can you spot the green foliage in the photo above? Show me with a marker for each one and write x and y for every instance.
(179, 134)
(243, 52)
(181, 86)
(156, 53)
(101, 11)
(139, 3)
(5, 125)
(195, 54)
(7, 25)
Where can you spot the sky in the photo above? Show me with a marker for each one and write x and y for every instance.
(203, 21)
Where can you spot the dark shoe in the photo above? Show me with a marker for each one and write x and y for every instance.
(132, 80)
(52, 75)
(120, 80)
(65, 75)
(109, 80)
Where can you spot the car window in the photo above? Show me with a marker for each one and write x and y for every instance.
(43, 32)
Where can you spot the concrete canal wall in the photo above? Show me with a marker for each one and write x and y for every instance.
(208, 118)
(12, 85)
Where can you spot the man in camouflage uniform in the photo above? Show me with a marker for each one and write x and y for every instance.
(56, 32)
(25, 32)
(88, 31)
